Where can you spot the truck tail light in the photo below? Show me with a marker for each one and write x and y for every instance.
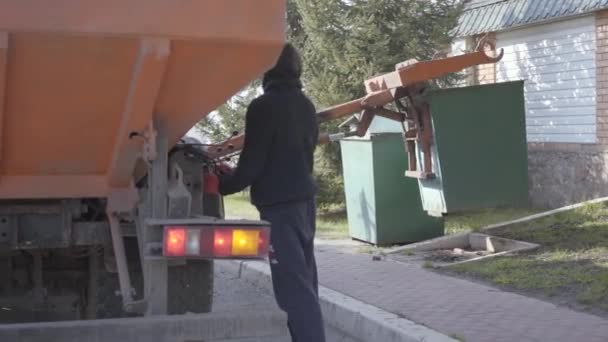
(222, 243)
(245, 242)
(175, 242)
(216, 242)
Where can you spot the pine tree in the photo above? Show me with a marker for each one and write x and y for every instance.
(344, 42)
(228, 118)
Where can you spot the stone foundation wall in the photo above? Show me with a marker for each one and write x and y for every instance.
(558, 178)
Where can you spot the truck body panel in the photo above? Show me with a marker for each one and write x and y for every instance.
(82, 81)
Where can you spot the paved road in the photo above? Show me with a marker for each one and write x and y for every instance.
(233, 294)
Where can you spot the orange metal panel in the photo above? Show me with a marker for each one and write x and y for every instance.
(77, 82)
(72, 186)
(148, 73)
(245, 20)
(65, 97)
(192, 88)
(3, 67)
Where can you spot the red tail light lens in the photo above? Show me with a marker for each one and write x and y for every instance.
(222, 242)
(264, 242)
(175, 241)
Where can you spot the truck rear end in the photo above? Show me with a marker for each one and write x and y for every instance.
(104, 210)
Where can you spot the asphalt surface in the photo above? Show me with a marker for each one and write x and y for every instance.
(233, 294)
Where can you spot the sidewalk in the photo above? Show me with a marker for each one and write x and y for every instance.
(452, 306)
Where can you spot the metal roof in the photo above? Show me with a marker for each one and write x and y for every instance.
(481, 16)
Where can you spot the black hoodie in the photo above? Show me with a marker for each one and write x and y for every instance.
(281, 134)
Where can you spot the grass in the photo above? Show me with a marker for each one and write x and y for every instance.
(238, 206)
(331, 225)
(571, 266)
(475, 220)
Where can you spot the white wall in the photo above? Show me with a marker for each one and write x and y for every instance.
(557, 61)
(459, 46)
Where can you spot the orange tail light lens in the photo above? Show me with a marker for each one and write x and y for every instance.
(245, 242)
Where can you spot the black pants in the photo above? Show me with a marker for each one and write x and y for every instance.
(293, 267)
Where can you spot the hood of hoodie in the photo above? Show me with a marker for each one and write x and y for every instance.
(287, 70)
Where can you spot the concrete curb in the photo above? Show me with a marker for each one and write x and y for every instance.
(189, 327)
(360, 320)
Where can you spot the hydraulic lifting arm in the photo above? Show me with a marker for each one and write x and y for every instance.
(404, 87)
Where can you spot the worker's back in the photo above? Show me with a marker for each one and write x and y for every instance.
(288, 167)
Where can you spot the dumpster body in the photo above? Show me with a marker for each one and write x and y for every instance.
(480, 150)
(383, 206)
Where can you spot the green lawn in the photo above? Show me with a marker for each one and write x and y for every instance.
(238, 206)
(571, 267)
(329, 226)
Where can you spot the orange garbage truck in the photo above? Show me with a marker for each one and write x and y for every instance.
(105, 211)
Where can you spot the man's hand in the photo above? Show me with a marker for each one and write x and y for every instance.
(224, 169)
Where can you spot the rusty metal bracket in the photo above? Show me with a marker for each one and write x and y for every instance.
(419, 132)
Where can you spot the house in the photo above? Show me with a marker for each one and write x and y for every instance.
(560, 49)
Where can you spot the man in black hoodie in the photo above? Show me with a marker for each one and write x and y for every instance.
(281, 134)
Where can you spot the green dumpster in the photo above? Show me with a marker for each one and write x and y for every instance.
(383, 206)
(480, 153)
